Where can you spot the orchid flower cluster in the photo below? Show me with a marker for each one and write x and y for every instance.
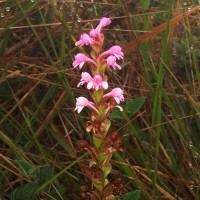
(102, 103)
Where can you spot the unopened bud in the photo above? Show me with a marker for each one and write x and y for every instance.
(102, 127)
(113, 136)
(116, 181)
(89, 126)
(85, 188)
(118, 144)
(83, 144)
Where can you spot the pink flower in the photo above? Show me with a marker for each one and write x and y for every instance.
(97, 83)
(117, 94)
(82, 102)
(85, 78)
(94, 33)
(103, 22)
(80, 60)
(111, 61)
(84, 40)
(115, 51)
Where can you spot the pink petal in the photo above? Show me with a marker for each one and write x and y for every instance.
(117, 100)
(117, 94)
(80, 83)
(80, 60)
(96, 33)
(115, 51)
(97, 87)
(86, 77)
(97, 79)
(90, 85)
(105, 21)
(82, 102)
(84, 40)
(81, 65)
(80, 109)
(111, 61)
(93, 33)
(105, 85)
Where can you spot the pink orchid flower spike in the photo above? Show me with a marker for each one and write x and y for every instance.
(111, 61)
(117, 94)
(82, 102)
(97, 82)
(84, 40)
(115, 51)
(81, 59)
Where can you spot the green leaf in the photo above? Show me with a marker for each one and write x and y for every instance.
(45, 174)
(24, 192)
(116, 114)
(135, 195)
(145, 3)
(26, 167)
(134, 105)
(130, 108)
(97, 141)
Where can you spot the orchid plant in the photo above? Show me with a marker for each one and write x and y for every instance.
(105, 142)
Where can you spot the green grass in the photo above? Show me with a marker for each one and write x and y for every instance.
(39, 129)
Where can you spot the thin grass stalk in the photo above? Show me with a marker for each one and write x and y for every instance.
(47, 31)
(156, 116)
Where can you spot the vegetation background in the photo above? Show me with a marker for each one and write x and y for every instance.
(160, 125)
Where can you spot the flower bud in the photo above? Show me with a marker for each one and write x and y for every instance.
(83, 144)
(85, 188)
(113, 136)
